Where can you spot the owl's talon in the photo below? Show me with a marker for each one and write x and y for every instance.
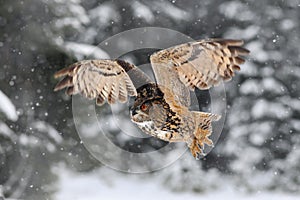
(197, 156)
(208, 141)
(196, 149)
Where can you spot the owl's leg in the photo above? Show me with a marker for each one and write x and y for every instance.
(197, 144)
(203, 131)
(195, 148)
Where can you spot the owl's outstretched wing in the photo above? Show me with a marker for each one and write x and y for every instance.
(105, 80)
(200, 64)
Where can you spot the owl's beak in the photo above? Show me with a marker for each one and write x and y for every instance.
(133, 112)
(135, 115)
(138, 116)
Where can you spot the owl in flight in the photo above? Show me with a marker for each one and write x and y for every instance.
(161, 108)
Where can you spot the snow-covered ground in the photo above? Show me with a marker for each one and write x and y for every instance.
(111, 185)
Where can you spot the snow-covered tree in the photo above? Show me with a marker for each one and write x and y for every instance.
(263, 123)
(260, 140)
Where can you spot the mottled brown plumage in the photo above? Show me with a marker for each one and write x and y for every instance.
(100, 79)
(161, 109)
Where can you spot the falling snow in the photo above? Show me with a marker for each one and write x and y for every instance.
(43, 157)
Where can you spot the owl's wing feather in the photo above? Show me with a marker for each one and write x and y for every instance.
(103, 80)
(168, 78)
(200, 64)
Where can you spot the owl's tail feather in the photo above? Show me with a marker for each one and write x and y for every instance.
(202, 132)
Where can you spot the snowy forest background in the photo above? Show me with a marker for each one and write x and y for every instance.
(259, 149)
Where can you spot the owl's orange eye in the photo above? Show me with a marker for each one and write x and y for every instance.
(144, 107)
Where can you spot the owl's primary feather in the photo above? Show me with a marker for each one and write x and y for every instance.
(161, 109)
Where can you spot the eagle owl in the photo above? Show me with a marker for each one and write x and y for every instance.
(161, 108)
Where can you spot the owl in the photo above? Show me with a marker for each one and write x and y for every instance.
(161, 107)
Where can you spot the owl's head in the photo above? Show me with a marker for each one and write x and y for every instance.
(148, 95)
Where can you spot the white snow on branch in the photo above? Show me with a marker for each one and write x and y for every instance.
(247, 33)
(250, 87)
(293, 103)
(80, 51)
(44, 127)
(68, 22)
(7, 107)
(70, 14)
(104, 14)
(142, 11)
(233, 10)
(296, 124)
(257, 51)
(171, 10)
(269, 84)
(6, 132)
(263, 108)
